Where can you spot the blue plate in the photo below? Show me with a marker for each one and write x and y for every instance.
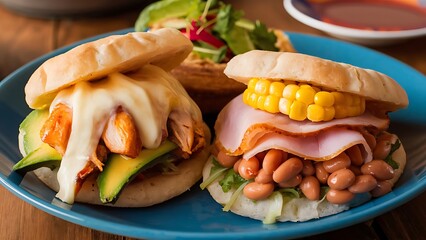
(194, 214)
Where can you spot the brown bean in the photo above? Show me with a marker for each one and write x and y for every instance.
(385, 136)
(382, 188)
(321, 173)
(258, 191)
(226, 160)
(363, 183)
(287, 170)
(379, 169)
(341, 179)
(272, 160)
(356, 170)
(237, 165)
(308, 168)
(370, 139)
(293, 182)
(339, 162)
(249, 168)
(339, 196)
(382, 149)
(355, 155)
(260, 156)
(284, 156)
(310, 187)
(263, 177)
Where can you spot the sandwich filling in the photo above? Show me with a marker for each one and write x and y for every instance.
(151, 104)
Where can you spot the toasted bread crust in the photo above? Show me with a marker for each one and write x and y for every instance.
(372, 85)
(166, 48)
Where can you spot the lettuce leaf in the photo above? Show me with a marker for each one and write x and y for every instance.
(232, 180)
(263, 38)
(157, 11)
(389, 160)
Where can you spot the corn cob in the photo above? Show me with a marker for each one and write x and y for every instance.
(301, 101)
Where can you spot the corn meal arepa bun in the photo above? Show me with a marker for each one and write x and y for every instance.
(372, 85)
(165, 48)
(150, 191)
(295, 209)
(206, 82)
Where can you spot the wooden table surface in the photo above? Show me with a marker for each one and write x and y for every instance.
(24, 38)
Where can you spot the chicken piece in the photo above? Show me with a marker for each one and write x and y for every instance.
(96, 162)
(186, 134)
(121, 136)
(57, 128)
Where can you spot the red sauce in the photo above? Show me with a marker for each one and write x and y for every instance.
(381, 15)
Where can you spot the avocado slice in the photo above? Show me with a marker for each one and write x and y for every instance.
(120, 170)
(38, 154)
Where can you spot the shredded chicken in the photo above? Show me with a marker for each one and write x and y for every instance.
(57, 128)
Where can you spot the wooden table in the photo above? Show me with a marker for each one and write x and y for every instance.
(24, 38)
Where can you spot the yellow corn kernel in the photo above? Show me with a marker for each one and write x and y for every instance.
(353, 111)
(317, 89)
(298, 111)
(339, 98)
(272, 104)
(305, 94)
(252, 99)
(262, 87)
(329, 113)
(362, 106)
(261, 102)
(324, 99)
(315, 113)
(284, 106)
(290, 91)
(348, 99)
(276, 89)
(341, 111)
(246, 95)
(252, 84)
(356, 100)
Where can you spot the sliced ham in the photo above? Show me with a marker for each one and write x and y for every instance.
(239, 126)
(321, 147)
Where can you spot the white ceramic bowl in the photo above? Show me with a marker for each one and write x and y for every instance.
(365, 37)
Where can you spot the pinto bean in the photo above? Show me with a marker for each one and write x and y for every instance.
(356, 170)
(310, 187)
(308, 168)
(363, 183)
(237, 165)
(340, 161)
(263, 177)
(260, 156)
(258, 191)
(226, 160)
(293, 182)
(370, 139)
(341, 179)
(321, 173)
(382, 188)
(382, 149)
(355, 155)
(339, 196)
(272, 160)
(248, 168)
(379, 169)
(287, 170)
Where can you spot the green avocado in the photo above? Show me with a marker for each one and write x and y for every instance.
(38, 154)
(120, 170)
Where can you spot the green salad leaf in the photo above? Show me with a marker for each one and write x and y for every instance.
(389, 160)
(232, 180)
(263, 38)
(157, 11)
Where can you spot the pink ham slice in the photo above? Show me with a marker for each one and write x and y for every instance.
(240, 127)
(321, 147)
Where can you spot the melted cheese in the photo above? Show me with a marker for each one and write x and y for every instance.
(149, 95)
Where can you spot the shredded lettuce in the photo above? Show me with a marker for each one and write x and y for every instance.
(234, 197)
(389, 160)
(275, 209)
(232, 180)
(290, 192)
(215, 172)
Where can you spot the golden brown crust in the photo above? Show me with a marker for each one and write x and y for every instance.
(94, 60)
(147, 192)
(372, 85)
